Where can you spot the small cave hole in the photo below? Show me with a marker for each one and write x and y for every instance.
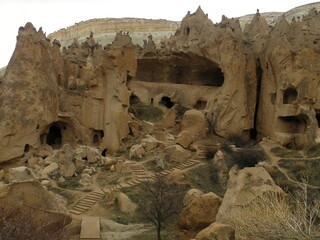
(54, 137)
(104, 152)
(290, 95)
(134, 99)
(166, 101)
(38, 126)
(200, 104)
(26, 148)
(97, 136)
(318, 118)
(187, 31)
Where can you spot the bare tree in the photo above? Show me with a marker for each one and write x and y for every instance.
(160, 202)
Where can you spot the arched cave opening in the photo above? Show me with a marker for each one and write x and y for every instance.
(187, 31)
(318, 118)
(166, 101)
(134, 99)
(189, 69)
(290, 95)
(200, 104)
(97, 136)
(54, 137)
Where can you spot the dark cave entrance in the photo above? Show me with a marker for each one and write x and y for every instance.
(318, 118)
(166, 101)
(200, 104)
(180, 68)
(134, 99)
(290, 95)
(97, 136)
(54, 136)
(293, 124)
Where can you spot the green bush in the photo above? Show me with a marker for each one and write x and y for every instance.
(248, 157)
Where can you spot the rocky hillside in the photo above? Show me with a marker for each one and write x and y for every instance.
(273, 17)
(105, 30)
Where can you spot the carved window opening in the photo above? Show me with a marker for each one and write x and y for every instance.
(318, 117)
(187, 31)
(134, 99)
(166, 101)
(290, 95)
(293, 124)
(200, 104)
(54, 137)
(97, 136)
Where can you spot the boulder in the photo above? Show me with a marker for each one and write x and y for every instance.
(92, 155)
(66, 155)
(51, 159)
(159, 163)
(194, 126)
(86, 181)
(169, 119)
(44, 151)
(20, 174)
(245, 186)
(201, 212)
(221, 166)
(177, 153)
(190, 195)
(125, 204)
(81, 152)
(33, 161)
(80, 164)
(107, 162)
(149, 143)
(50, 168)
(217, 231)
(137, 151)
(68, 170)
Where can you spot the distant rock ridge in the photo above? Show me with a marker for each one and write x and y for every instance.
(105, 30)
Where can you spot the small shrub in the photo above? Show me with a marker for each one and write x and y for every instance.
(239, 141)
(248, 157)
(273, 217)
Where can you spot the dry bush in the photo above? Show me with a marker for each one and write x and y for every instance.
(22, 222)
(274, 217)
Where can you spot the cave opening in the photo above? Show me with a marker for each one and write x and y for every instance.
(26, 148)
(134, 99)
(200, 104)
(318, 118)
(290, 95)
(97, 136)
(166, 101)
(189, 69)
(54, 136)
(293, 124)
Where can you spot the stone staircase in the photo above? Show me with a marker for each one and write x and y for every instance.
(87, 202)
(140, 176)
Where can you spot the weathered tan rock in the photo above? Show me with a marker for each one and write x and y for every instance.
(220, 165)
(217, 231)
(177, 153)
(107, 162)
(33, 161)
(125, 204)
(201, 212)
(246, 186)
(149, 143)
(50, 168)
(194, 126)
(191, 195)
(169, 119)
(137, 151)
(19, 174)
(86, 181)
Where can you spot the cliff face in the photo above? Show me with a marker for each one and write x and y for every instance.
(105, 30)
(261, 81)
(289, 100)
(203, 66)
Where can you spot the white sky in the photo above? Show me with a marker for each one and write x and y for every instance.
(55, 14)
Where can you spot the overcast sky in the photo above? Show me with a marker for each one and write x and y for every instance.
(52, 15)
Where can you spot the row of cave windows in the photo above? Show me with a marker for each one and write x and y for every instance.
(166, 101)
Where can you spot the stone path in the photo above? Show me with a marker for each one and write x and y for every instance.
(90, 228)
(140, 176)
